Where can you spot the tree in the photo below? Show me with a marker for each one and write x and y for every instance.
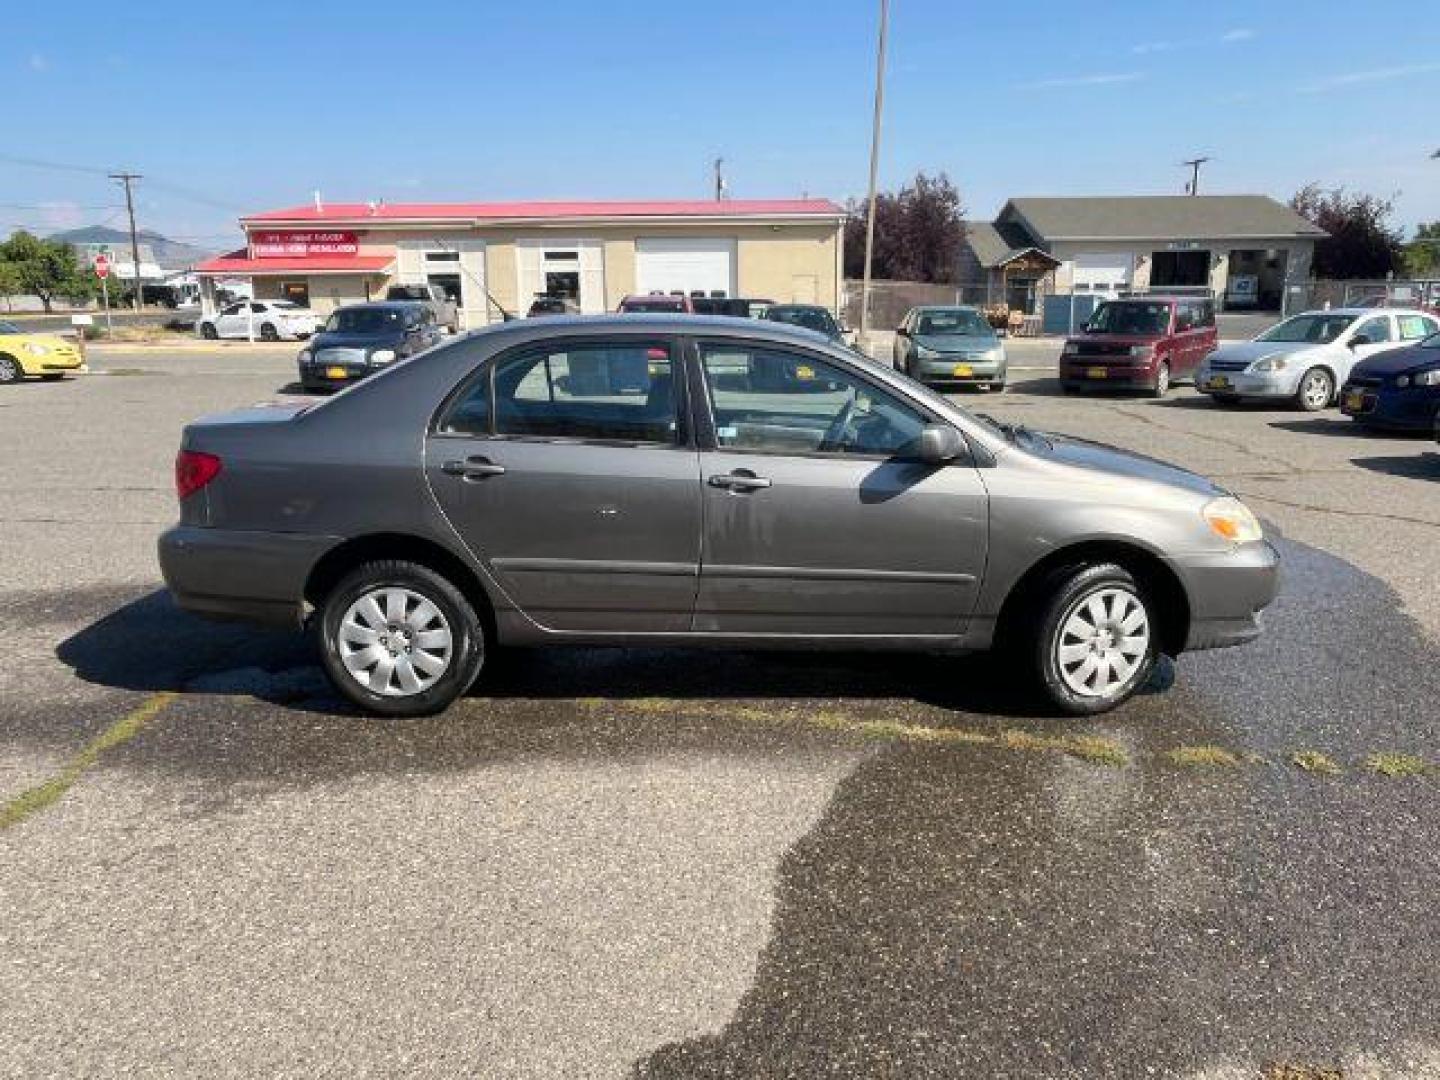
(1422, 254)
(1362, 243)
(918, 233)
(9, 282)
(44, 268)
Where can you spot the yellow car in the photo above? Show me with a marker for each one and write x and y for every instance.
(47, 355)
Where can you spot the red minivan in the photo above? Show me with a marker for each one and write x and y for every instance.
(1140, 343)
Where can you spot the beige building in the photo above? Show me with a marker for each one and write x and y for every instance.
(1245, 250)
(494, 257)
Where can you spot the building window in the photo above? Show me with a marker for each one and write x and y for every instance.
(297, 292)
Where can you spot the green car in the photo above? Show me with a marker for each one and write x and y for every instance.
(950, 346)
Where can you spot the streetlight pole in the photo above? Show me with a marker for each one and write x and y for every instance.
(874, 167)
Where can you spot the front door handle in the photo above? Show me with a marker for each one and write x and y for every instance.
(472, 468)
(740, 480)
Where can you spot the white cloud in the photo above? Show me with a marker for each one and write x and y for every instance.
(38, 62)
(1146, 47)
(1106, 79)
(1356, 78)
(1240, 33)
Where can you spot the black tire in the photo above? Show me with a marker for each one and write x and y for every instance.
(1315, 391)
(208, 331)
(1069, 388)
(269, 333)
(1161, 386)
(998, 387)
(53, 376)
(467, 652)
(1068, 590)
(10, 369)
(1226, 399)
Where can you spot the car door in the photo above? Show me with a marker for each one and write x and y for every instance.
(817, 519)
(568, 470)
(231, 321)
(1182, 356)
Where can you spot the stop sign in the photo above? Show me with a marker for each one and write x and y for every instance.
(102, 266)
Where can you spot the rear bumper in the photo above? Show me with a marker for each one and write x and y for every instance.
(251, 576)
(1227, 593)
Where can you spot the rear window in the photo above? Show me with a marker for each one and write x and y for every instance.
(817, 319)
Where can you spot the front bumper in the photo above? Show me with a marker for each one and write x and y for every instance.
(959, 370)
(1136, 374)
(1227, 591)
(229, 574)
(1410, 409)
(1268, 384)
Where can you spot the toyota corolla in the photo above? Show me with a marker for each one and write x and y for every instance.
(689, 481)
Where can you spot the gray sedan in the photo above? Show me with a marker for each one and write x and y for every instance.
(688, 481)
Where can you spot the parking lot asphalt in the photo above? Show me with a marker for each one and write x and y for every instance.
(613, 862)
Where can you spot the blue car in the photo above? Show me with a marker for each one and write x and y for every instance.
(1397, 389)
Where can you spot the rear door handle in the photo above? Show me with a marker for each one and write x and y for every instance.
(472, 468)
(739, 481)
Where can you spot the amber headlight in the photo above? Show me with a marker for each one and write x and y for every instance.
(1231, 520)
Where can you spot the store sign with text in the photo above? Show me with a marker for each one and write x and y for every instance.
(290, 245)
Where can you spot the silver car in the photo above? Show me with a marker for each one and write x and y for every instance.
(951, 346)
(1306, 358)
(688, 481)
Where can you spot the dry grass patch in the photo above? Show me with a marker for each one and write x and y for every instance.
(1312, 761)
(1092, 748)
(1285, 1071)
(1204, 757)
(1397, 765)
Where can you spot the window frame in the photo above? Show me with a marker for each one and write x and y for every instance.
(704, 409)
(1389, 322)
(487, 368)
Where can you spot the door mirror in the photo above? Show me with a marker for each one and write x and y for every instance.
(1360, 339)
(939, 443)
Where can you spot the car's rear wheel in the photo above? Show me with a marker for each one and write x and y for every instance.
(269, 333)
(10, 370)
(1316, 390)
(1094, 640)
(399, 639)
(208, 331)
(1161, 386)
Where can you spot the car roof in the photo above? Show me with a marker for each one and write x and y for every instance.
(660, 322)
(798, 307)
(385, 305)
(1356, 311)
(948, 307)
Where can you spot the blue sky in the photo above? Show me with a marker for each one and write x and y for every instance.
(252, 106)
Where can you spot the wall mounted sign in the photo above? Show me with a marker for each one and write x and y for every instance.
(292, 244)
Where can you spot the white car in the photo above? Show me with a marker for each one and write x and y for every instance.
(1307, 358)
(266, 320)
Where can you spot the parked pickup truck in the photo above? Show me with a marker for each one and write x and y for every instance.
(447, 314)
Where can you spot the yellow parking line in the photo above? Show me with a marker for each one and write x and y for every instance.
(51, 791)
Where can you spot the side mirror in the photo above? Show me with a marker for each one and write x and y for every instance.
(1360, 339)
(940, 443)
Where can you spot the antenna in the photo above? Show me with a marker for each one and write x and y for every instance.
(1193, 188)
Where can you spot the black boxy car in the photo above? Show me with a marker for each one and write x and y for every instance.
(361, 339)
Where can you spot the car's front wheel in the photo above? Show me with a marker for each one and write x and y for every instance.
(399, 639)
(1161, 386)
(1316, 390)
(1094, 640)
(10, 371)
(269, 333)
(208, 331)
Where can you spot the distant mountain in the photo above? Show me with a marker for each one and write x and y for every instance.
(172, 255)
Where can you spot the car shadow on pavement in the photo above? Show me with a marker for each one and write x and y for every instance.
(1322, 425)
(1422, 466)
(149, 644)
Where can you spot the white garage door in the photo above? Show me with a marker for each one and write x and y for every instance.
(1102, 272)
(665, 264)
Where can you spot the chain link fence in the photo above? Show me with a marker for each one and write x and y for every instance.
(1314, 295)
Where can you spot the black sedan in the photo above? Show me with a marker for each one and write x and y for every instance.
(361, 339)
(1397, 389)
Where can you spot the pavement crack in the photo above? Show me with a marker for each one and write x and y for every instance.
(1214, 440)
(1315, 508)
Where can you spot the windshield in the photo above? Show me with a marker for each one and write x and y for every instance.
(9, 328)
(807, 317)
(366, 320)
(1130, 317)
(953, 321)
(1313, 329)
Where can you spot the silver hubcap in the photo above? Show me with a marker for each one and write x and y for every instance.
(1162, 379)
(394, 642)
(1103, 640)
(1317, 390)
(9, 370)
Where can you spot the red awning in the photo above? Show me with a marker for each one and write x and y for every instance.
(239, 264)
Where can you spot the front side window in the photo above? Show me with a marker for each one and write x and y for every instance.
(1376, 330)
(776, 401)
(620, 391)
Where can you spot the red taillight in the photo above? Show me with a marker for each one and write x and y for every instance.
(193, 470)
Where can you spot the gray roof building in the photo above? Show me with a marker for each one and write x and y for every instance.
(1160, 217)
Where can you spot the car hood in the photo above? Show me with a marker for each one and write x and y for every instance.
(1112, 461)
(1119, 339)
(970, 343)
(327, 339)
(1250, 351)
(1394, 361)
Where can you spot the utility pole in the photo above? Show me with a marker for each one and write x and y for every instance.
(719, 178)
(1194, 163)
(874, 166)
(127, 179)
